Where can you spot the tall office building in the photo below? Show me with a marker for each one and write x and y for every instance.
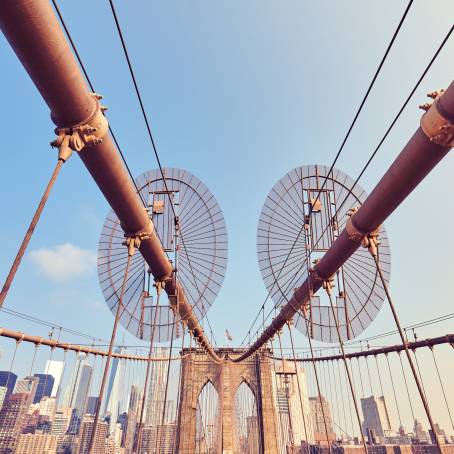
(12, 418)
(78, 390)
(3, 392)
(47, 406)
(321, 415)
(27, 385)
(159, 439)
(376, 416)
(61, 420)
(135, 399)
(92, 401)
(99, 446)
(36, 443)
(156, 389)
(8, 380)
(55, 368)
(114, 392)
(293, 404)
(44, 388)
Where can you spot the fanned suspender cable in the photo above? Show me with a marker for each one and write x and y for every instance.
(399, 113)
(82, 67)
(347, 135)
(28, 235)
(391, 126)
(155, 151)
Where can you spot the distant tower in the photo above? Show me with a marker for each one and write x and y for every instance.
(293, 405)
(376, 416)
(12, 417)
(55, 368)
(114, 392)
(8, 379)
(78, 391)
(318, 421)
(44, 388)
(28, 385)
(156, 389)
(85, 434)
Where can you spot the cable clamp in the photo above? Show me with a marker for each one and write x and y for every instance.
(328, 284)
(87, 133)
(435, 126)
(354, 234)
(366, 239)
(134, 240)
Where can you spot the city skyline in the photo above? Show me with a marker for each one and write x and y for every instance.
(255, 187)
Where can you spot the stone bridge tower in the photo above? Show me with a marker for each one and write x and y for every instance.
(198, 369)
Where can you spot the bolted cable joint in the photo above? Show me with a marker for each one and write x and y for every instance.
(87, 133)
(329, 284)
(159, 285)
(132, 243)
(371, 243)
(435, 126)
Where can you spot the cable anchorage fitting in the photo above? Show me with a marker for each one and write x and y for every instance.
(435, 126)
(366, 239)
(134, 240)
(87, 133)
(371, 242)
(328, 284)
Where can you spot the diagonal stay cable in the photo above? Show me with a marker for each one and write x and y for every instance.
(404, 105)
(347, 135)
(82, 66)
(155, 151)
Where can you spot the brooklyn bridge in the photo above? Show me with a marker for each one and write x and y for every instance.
(308, 375)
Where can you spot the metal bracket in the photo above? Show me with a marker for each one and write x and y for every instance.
(84, 134)
(437, 128)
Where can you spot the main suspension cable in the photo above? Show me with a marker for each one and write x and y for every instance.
(347, 135)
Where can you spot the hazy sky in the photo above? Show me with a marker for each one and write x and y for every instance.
(238, 93)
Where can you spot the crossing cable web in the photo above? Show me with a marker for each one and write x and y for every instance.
(347, 135)
(369, 161)
(155, 152)
(82, 66)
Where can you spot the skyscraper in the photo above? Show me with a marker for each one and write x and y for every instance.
(156, 389)
(321, 415)
(55, 368)
(376, 416)
(44, 388)
(60, 423)
(12, 419)
(47, 406)
(85, 434)
(36, 443)
(133, 417)
(27, 385)
(78, 390)
(3, 392)
(8, 379)
(293, 404)
(114, 392)
(92, 401)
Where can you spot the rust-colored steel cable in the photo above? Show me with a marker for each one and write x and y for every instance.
(442, 388)
(30, 231)
(298, 382)
(347, 370)
(108, 359)
(347, 135)
(406, 349)
(138, 438)
(287, 394)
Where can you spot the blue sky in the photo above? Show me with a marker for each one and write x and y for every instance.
(238, 93)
